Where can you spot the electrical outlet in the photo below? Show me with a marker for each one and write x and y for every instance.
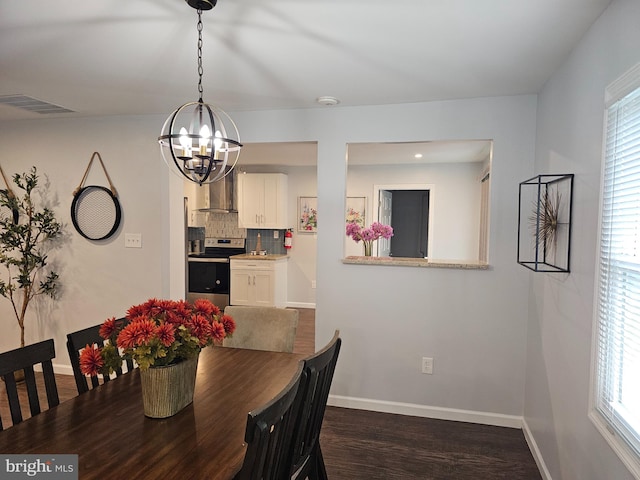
(276, 234)
(427, 365)
(133, 240)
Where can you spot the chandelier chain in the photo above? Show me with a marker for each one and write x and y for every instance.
(200, 69)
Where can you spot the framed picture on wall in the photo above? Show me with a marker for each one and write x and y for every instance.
(307, 214)
(356, 210)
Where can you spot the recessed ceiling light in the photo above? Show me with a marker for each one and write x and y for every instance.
(418, 155)
(326, 100)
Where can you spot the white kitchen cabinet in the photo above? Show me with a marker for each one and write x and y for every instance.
(262, 200)
(259, 282)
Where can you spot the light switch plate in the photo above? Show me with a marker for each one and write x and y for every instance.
(133, 240)
(427, 365)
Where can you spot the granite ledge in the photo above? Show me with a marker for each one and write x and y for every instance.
(248, 256)
(416, 262)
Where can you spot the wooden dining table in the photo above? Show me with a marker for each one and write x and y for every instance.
(107, 429)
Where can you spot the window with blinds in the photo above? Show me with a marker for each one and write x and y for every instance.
(617, 334)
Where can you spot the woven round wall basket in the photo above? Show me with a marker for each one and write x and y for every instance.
(95, 210)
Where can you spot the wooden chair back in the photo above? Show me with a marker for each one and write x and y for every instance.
(319, 368)
(23, 359)
(269, 436)
(263, 328)
(76, 342)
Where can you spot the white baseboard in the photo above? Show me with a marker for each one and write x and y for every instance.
(535, 451)
(301, 305)
(485, 418)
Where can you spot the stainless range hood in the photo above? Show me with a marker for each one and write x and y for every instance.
(221, 195)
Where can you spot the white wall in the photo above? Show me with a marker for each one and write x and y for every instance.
(98, 279)
(569, 140)
(301, 268)
(472, 322)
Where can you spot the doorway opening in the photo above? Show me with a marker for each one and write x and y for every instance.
(407, 209)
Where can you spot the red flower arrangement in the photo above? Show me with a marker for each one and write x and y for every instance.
(157, 333)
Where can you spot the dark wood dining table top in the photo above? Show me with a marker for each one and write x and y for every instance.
(107, 428)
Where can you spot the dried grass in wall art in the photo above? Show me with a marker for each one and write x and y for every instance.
(544, 219)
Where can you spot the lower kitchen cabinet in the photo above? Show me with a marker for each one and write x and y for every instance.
(260, 282)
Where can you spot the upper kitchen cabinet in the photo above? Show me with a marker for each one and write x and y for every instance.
(262, 200)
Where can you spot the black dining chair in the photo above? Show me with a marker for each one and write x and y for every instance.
(307, 460)
(22, 360)
(76, 342)
(269, 435)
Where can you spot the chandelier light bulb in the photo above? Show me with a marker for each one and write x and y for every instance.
(205, 136)
(185, 142)
(217, 140)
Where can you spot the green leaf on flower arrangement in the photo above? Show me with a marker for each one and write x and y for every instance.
(111, 357)
(144, 362)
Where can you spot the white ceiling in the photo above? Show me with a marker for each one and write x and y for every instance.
(112, 57)
(304, 154)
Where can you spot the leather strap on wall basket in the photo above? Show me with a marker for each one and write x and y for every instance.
(11, 197)
(95, 210)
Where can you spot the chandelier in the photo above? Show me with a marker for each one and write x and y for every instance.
(201, 140)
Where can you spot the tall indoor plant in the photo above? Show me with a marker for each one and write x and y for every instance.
(26, 236)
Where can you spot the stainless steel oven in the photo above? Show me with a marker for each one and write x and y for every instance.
(209, 273)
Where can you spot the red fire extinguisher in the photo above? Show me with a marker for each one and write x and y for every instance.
(288, 238)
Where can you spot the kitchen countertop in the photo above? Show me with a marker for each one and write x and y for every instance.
(417, 262)
(248, 256)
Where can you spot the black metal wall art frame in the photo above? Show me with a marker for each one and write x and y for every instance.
(544, 223)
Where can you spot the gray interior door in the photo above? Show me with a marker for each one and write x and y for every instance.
(410, 222)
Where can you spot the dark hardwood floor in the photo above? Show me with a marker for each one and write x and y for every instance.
(363, 445)
(306, 332)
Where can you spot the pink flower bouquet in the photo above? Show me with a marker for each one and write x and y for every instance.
(368, 235)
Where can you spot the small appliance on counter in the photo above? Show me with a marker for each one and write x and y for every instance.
(195, 240)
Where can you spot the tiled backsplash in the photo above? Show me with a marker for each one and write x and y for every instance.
(225, 225)
(270, 244)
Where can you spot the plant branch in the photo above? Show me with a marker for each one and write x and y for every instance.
(23, 248)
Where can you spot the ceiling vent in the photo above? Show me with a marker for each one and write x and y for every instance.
(31, 104)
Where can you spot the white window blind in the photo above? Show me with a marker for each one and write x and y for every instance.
(617, 348)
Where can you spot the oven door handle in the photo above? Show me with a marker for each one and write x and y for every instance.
(208, 260)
